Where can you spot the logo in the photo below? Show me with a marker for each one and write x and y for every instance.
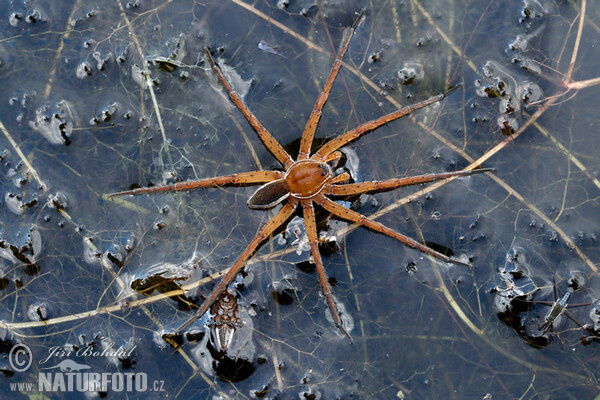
(20, 357)
(71, 376)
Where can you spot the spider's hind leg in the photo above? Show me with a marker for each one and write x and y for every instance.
(311, 232)
(279, 219)
(391, 184)
(352, 216)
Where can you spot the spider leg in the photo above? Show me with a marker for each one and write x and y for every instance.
(274, 223)
(243, 178)
(353, 216)
(370, 126)
(315, 116)
(311, 233)
(356, 188)
(333, 157)
(343, 177)
(269, 141)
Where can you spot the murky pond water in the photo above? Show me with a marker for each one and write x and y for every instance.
(100, 98)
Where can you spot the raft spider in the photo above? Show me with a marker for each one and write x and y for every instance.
(307, 181)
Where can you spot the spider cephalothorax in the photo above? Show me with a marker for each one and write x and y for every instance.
(306, 178)
(307, 181)
(303, 180)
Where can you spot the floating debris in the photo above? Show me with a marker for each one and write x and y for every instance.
(264, 46)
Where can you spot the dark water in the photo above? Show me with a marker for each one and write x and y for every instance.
(76, 107)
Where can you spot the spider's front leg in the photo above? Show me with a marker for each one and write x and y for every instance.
(370, 126)
(315, 116)
(241, 179)
(279, 219)
(312, 234)
(269, 141)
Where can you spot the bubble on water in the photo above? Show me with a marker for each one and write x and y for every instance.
(55, 123)
(35, 241)
(120, 355)
(519, 43)
(83, 70)
(16, 204)
(295, 235)
(410, 72)
(576, 279)
(101, 61)
(133, 4)
(529, 92)
(15, 18)
(36, 15)
(106, 114)
(312, 393)
(508, 125)
(508, 104)
(347, 319)
(57, 201)
(531, 66)
(91, 254)
(535, 8)
(239, 85)
(177, 47)
(115, 256)
(138, 75)
(13, 203)
(497, 82)
(38, 311)
(352, 162)
(595, 314)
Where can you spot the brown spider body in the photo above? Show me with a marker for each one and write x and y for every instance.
(306, 178)
(307, 181)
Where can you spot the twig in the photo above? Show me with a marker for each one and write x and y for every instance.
(149, 83)
(22, 157)
(577, 41)
(61, 45)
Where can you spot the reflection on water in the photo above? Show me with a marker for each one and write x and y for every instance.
(99, 98)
